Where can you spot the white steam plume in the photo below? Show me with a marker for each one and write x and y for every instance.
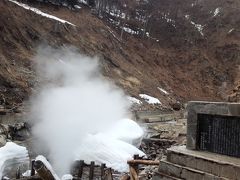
(74, 101)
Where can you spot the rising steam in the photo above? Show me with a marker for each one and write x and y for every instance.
(74, 100)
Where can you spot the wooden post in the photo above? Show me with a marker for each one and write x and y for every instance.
(32, 169)
(43, 171)
(133, 166)
(80, 171)
(133, 173)
(142, 161)
(108, 174)
(18, 174)
(102, 171)
(91, 171)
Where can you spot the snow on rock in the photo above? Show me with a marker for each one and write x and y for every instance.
(102, 148)
(48, 165)
(165, 16)
(231, 30)
(77, 7)
(216, 12)
(199, 27)
(117, 13)
(150, 99)
(83, 1)
(26, 173)
(187, 16)
(148, 35)
(11, 154)
(67, 177)
(163, 90)
(37, 11)
(134, 100)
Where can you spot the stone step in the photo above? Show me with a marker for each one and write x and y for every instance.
(218, 165)
(187, 173)
(162, 176)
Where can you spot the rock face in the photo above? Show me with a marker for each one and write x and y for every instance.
(191, 59)
(235, 95)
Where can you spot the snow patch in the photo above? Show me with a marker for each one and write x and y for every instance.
(130, 31)
(37, 11)
(67, 177)
(163, 90)
(48, 165)
(231, 30)
(172, 22)
(117, 13)
(26, 173)
(77, 7)
(216, 12)
(83, 1)
(194, 4)
(199, 27)
(148, 35)
(134, 100)
(12, 152)
(150, 99)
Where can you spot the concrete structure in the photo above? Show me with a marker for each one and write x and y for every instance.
(214, 108)
(182, 163)
(186, 162)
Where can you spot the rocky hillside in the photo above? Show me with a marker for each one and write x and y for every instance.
(196, 58)
(235, 94)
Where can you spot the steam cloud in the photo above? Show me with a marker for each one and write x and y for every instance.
(74, 101)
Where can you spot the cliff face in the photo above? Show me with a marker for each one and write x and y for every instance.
(195, 60)
(235, 94)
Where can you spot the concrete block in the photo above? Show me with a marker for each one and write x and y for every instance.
(210, 163)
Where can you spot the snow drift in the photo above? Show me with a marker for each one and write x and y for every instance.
(10, 155)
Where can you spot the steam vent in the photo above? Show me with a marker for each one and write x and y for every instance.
(213, 144)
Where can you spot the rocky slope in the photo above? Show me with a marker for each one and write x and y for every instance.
(189, 64)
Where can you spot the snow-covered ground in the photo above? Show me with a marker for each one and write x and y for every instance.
(37, 11)
(150, 99)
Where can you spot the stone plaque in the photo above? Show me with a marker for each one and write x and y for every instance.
(219, 134)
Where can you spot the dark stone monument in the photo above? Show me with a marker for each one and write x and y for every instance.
(214, 127)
